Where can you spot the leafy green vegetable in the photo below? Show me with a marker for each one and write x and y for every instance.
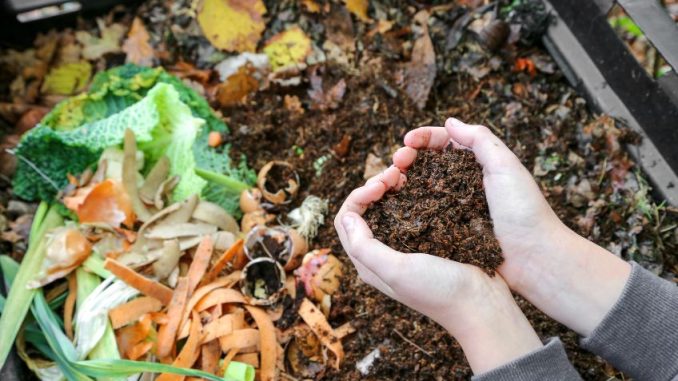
(166, 116)
(19, 298)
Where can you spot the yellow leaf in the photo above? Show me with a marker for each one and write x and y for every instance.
(67, 79)
(311, 6)
(288, 49)
(136, 46)
(233, 25)
(358, 8)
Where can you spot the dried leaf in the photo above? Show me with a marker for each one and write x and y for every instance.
(136, 46)
(420, 72)
(288, 49)
(323, 100)
(109, 42)
(232, 25)
(358, 8)
(238, 86)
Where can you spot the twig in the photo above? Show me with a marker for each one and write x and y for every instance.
(412, 343)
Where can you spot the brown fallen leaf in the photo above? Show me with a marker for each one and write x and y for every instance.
(136, 46)
(358, 8)
(321, 99)
(184, 69)
(232, 25)
(30, 118)
(420, 72)
(238, 86)
(293, 104)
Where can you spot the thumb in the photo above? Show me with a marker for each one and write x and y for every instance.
(489, 150)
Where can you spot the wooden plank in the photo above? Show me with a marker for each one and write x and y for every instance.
(590, 74)
(657, 26)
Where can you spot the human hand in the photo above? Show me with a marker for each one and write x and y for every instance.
(479, 311)
(565, 275)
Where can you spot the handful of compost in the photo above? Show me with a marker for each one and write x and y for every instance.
(441, 210)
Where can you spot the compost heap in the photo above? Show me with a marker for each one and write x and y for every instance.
(441, 210)
(143, 252)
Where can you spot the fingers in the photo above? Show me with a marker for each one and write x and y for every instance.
(489, 150)
(404, 157)
(382, 261)
(427, 138)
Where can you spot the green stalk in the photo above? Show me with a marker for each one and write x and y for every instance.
(223, 180)
(95, 264)
(19, 298)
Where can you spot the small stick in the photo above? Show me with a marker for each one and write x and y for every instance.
(412, 343)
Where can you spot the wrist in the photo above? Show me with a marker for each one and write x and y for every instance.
(574, 281)
(493, 331)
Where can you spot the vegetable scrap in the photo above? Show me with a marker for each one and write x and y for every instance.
(187, 287)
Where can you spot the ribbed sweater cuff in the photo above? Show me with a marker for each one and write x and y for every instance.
(547, 363)
(639, 335)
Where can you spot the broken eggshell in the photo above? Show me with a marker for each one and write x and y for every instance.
(250, 200)
(253, 219)
(320, 273)
(281, 244)
(278, 182)
(262, 281)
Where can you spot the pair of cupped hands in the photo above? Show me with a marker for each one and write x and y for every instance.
(544, 261)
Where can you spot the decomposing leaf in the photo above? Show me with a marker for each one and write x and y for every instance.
(237, 87)
(231, 65)
(358, 8)
(109, 42)
(232, 25)
(67, 79)
(311, 6)
(136, 46)
(105, 202)
(321, 99)
(420, 72)
(288, 49)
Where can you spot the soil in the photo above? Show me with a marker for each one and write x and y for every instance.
(441, 211)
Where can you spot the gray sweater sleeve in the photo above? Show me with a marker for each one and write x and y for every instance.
(547, 363)
(639, 336)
